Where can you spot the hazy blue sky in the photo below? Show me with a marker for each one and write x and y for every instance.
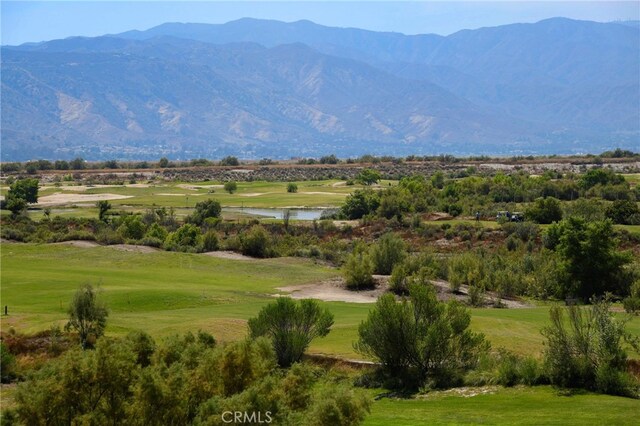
(24, 21)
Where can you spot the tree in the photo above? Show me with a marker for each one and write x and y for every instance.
(229, 161)
(164, 162)
(545, 210)
(590, 258)
(291, 327)
(368, 177)
(205, 209)
(230, 187)
(87, 315)
(420, 341)
(389, 251)
(625, 212)
(292, 187)
(27, 189)
(360, 203)
(103, 207)
(589, 353)
(77, 164)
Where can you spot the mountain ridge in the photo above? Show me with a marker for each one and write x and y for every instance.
(139, 94)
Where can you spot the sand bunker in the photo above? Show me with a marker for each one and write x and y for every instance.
(79, 243)
(196, 187)
(322, 193)
(333, 290)
(60, 198)
(134, 248)
(255, 194)
(229, 255)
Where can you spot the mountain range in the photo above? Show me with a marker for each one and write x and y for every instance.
(257, 88)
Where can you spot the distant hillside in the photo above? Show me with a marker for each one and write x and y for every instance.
(257, 88)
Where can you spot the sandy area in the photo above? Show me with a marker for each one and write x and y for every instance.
(333, 290)
(321, 193)
(343, 183)
(82, 188)
(134, 248)
(79, 243)
(196, 187)
(229, 255)
(255, 194)
(60, 198)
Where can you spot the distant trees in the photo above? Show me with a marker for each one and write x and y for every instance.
(164, 162)
(103, 207)
(21, 192)
(545, 210)
(624, 212)
(87, 315)
(368, 177)
(205, 209)
(360, 203)
(420, 341)
(229, 161)
(231, 187)
(291, 326)
(292, 187)
(590, 259)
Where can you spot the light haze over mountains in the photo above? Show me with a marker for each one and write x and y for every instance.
(257, 88)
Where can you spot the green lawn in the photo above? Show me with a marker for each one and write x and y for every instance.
(165, 292)
(540, 405)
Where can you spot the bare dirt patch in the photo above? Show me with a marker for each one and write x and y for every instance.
(333, 290)
(464, 392)
(255, 194)
(60, 198)
(196, 187)
(321, 193)
(79, 243)
(342, 183)
(229, 255)
(134, 248)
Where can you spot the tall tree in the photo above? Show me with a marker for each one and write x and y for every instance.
(87, 315)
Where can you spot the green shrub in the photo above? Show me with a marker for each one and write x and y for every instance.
(210, 241)
(256, 242)
(292, 187)
(421, 341)
(387, 252)
(589, 353)
(291, 326)
(7, 364)
(358, 269)
(187, 238)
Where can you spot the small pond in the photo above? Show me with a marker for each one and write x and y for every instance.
(295, 214)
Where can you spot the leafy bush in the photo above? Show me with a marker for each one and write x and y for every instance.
(545, 210)
(291, 326)
(7, 364)
(256, 242)
(210, 241)
(231, 187)
(358, 269)
(387, 252)
(186, 238)
(420, 341)
(292, 187)
(589, 353)
(205, 209)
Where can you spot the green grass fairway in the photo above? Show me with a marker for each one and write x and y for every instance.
(506, 406)
(164, 293)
